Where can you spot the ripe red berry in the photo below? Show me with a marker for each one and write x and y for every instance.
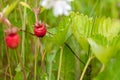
(12, 40)
(40, 30)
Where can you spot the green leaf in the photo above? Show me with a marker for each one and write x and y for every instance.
(25, 5)
(100, 39)
(116, 42)
(106, 27)
(81, 27)
(112, 70)
(9, 8)
(105, 44)
(100, 48)
(104, 49)
(99, 33)
(61, 34)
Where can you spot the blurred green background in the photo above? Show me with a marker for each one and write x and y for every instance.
(71, 68)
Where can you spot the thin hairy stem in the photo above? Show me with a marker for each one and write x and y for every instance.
(27, 32)
(60, 63)
(74, 53)
(86, 66)
(23, 34)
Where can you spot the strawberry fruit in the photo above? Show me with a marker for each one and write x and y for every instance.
(40, 30)
(12, 40)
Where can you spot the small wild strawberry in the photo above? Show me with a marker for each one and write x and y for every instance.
(40, 30)
(12, 39)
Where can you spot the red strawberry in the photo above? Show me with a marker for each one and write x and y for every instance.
(12, 40)
(40, 30)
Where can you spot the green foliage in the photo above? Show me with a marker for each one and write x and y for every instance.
(98, 33)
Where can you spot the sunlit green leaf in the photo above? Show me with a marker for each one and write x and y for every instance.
(25, 5)
(99, 33)
(106, 27)
(81, 27)
(100, 48)
(116, 41)
(104, 49)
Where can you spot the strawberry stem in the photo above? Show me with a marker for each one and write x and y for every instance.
(36, 12)
(60, 63)
(27, 32)
(42, 55)
(5, 20)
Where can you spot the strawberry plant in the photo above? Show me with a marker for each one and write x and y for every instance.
(59, 39)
